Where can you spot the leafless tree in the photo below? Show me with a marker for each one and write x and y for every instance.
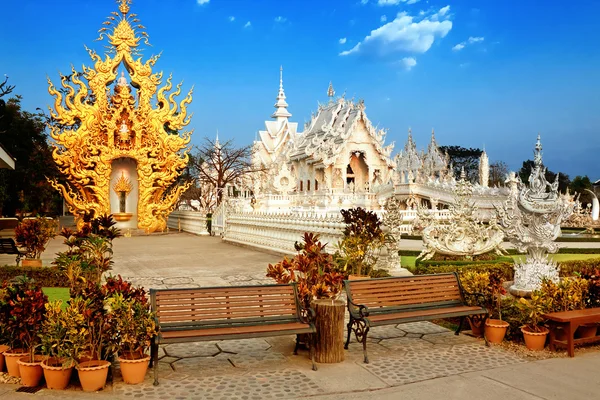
(498, 173)
(217, 165)
(5, 88)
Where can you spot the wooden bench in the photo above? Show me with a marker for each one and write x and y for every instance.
(8, 246)
(570, 321)
(397, 300)
(237, 312)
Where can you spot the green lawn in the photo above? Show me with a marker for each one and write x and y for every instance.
(57, 293)
(408, 261)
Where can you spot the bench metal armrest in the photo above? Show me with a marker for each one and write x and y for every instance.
(307, 315)
(363, 311)
(480, 296)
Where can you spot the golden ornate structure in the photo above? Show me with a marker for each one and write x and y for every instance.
(94, 127)
(123, 185)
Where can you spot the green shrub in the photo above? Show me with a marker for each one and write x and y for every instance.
(463, 262)
(45, 276)
(574, 267)
(503, 269)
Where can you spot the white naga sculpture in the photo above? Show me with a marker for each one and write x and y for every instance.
(392, 221)
(531, 219)
(462, 233)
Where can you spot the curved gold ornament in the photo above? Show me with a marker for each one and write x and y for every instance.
(96, 125)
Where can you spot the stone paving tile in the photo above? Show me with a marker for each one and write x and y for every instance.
(145, 282)
(422, 327)
(168, 359)
(259, 385)
(192, 349)
(245, 346)
(406, 344)
(237, 278)
(374, 351)
(438, 362)
(178, 280)
(447, 339)
(265, 359)
(385, 332)
(182, 285)
(204, 366)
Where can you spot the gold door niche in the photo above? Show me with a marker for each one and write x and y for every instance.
(357, 171)
(124, 188)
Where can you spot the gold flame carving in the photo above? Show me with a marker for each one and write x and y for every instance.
(123, 185)
(98, 121)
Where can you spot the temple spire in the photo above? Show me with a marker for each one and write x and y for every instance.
(282, 113)
(217, 143)
(330, 92)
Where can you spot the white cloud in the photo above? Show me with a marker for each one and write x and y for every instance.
(363, 2)
(408, 63)
(470, 40)
(343, 40)
(231, 19)
(247, 24)
(403, 34)
(202, 2)
(395, 2)
(443, 11)
(383, 18)
(280, 20)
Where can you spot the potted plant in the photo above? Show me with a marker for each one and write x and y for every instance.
(93, 364)
(33, 235)
(134, 325)
(477, 289)
(363, 239)
(495, 328)
(533, 309)
(315, 273)
(62, 339)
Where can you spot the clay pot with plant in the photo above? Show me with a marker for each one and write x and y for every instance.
(22, 314)
(33, 235)
(132, 322)
(533, 310)
(495, 328)
(62, 340)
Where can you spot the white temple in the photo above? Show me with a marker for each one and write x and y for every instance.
(341, 160)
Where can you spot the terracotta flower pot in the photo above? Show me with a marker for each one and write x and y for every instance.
(134, 370)
(31, 262)
(92, 374)
(535, 340)
(3, 348)
(57, 377)
(495, 329)
(31, 371)
(586, 331)
(476, 326)
(11, 356)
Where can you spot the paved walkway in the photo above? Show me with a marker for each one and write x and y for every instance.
(409, 361)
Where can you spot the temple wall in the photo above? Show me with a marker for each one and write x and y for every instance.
(189, 221)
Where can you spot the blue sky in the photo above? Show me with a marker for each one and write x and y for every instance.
(480, 72)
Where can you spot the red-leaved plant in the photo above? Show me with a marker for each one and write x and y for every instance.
(312, 269)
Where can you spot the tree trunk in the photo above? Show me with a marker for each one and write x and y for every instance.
(329, 347)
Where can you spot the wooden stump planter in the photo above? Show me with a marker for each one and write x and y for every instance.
(11, 356)
(329, 342)
(134, 369)
(93, 374)
(32, 262)
(535, 340)
(495, 330)
(56, 376)
(586, 331)
(31, 371)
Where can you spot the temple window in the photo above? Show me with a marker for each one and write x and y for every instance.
(308, 185)
(301, 188)
(316, 185)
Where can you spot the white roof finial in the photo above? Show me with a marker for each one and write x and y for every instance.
(217, 144)
(282, 113)
(330, 92)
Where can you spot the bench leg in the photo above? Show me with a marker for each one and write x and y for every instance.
(460, 325)
(313, 344)
(154, 357)
(570, 339)
(364, 342)
(18, 259)
(297, 345)
(349, 328)
(485, 318)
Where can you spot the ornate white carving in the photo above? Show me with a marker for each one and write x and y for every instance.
(531, 219)
(462, 233)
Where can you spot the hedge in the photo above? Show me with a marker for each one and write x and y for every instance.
(44, 276)
(464, 262)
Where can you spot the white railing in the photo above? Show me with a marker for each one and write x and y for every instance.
(279, 232)
(188, 221)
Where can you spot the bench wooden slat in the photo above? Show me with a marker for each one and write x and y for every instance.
(217, 303)
(225, 314)
(230, 291)
(404, 286)
(381, 282)
(228, 300)
(408, 293)
(234, 330)
(423, 313)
